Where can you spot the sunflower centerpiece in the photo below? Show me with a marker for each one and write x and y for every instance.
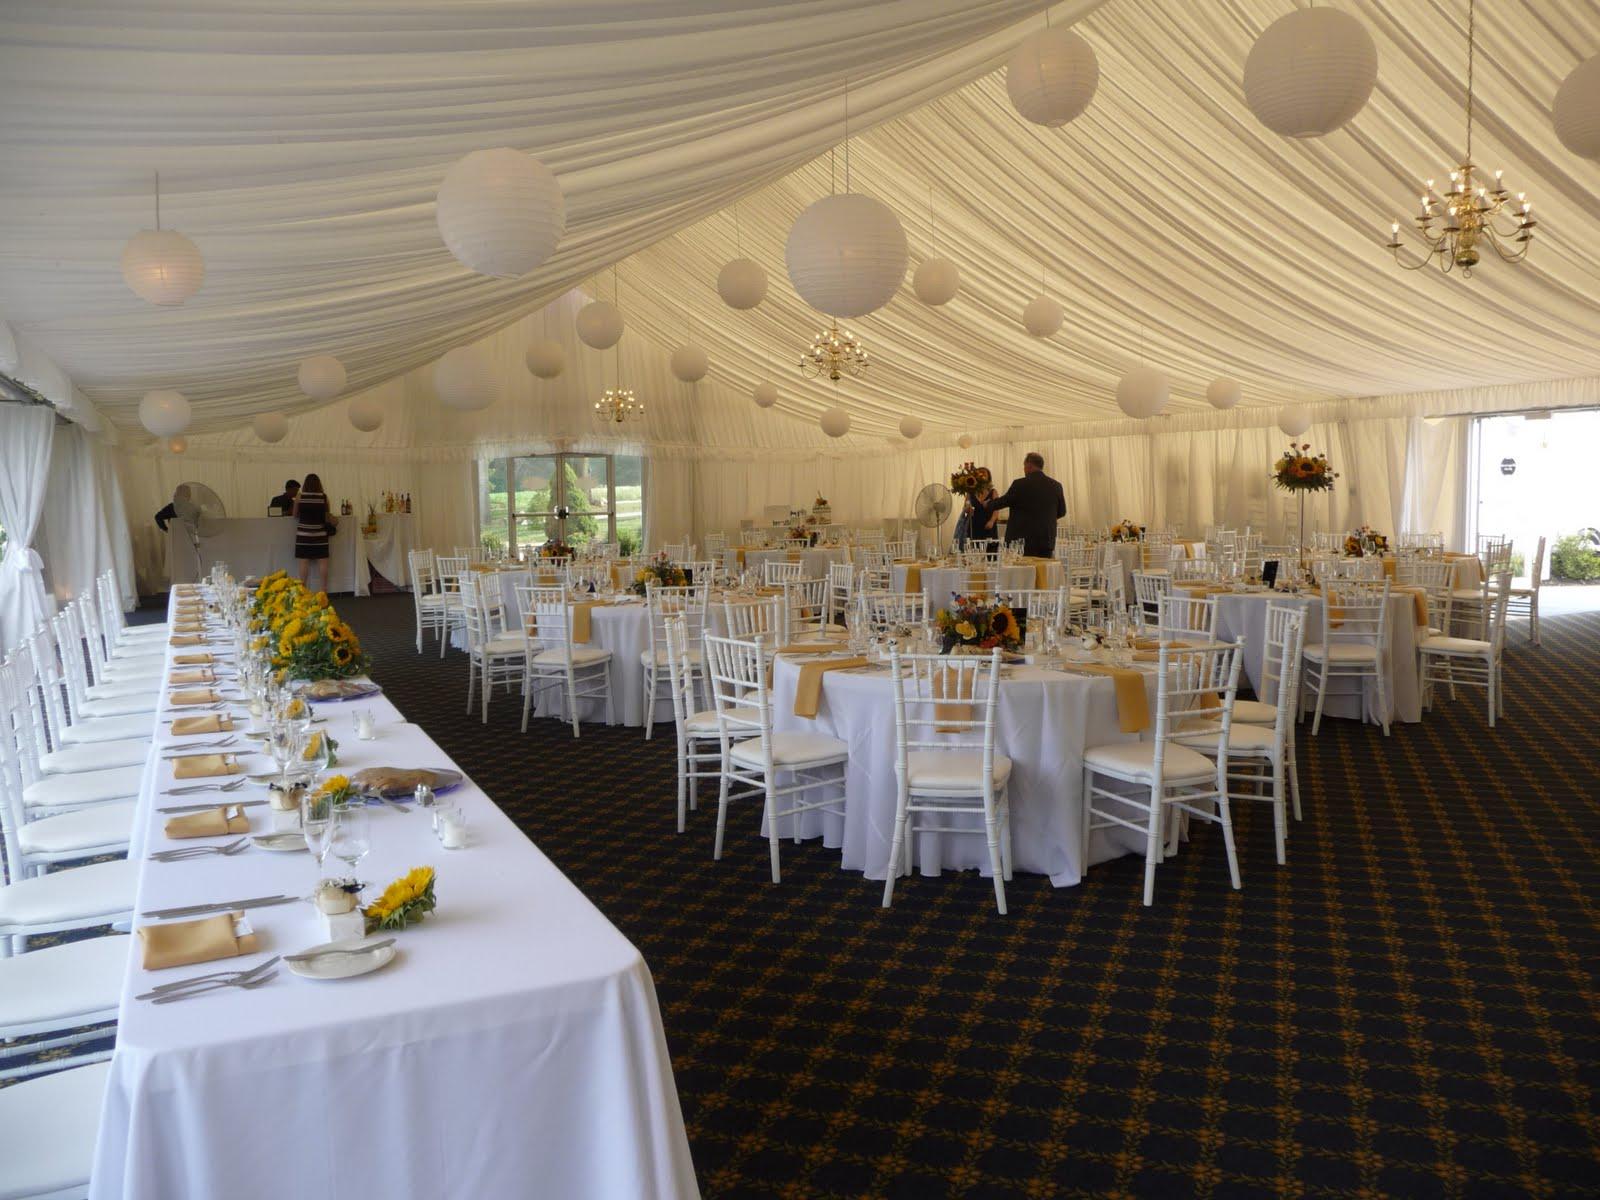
(1298, 470)
(662, 572)
(300, 629)
(977, 623)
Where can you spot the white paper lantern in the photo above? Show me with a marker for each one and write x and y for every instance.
(689, 363)
(742, 283)
(177, 445)
(1051, 76)
(162, 266)
(1042, 317)
(910, 427)
(847, 255)
(1223, 393)
(835, 422)
(501, 212)
(599, 324)
(322, 377)
(1143, 392)
(462, 379)
(164, 412)
(546, 359)
(765, 394)
(1576, 111)
(1294, 420)
(1310, 71)
(936, 281)
(270, 427)
(10, 358)
(365, 413)
(965, 441)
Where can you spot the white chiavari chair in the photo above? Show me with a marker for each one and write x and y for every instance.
(699, 742)
(117, 676)
(67, 635)
(121, 639)
(841, 590)
(678, 552)
(1435, 576)
(450, 570)
(1168, 775)
(1155, 552)
(887, 612)
(1181, 617)
(716, 543)
(472, 554)
(1469, 661)
(427, 602)
(663, 604)
(1148, 588)
(979, 579)
(1041, 608)
(775, 572)
(495, 653)
(1354, 644)
(805, 608)
(76, 745)
(748, 620)
(901, 549)
(877, 571)
(1207, 569)
(1524, 601)
(553, 661)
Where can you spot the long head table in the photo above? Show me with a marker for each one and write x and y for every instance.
(513, 1047)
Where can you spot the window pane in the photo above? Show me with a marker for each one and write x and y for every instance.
(630, 501)
(492, 503)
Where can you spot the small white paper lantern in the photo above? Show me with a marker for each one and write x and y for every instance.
(501, 212)
(847, 255)
(1042, 316)
(835, 422)
(742, 283)
(1294, 420)
(177, 445)
(689, 363)
(462, 379)
(1223, 393)
(1310, 72)
(599, 324)
(162, 266)
(965, 441)
(1051, 76)
(10, 358)
(270, 427)
(365, 413)
(936, 281)
(1576, 111)
(910, 427)
(322, 377)
(164, 412)
(765, 394)
(546, 359)
(1143, 392)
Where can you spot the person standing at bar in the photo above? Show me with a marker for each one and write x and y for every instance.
(314, 525)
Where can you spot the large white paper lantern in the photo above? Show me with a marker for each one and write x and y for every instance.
(322, 377)
(689, 363)
(177, 445)
(1310, 71)
(1143, 392)
(545, 359)
(936, 281)
(162, 266)
(847, 255)
(462, 379)
(1042, 316)
(965, 441)
(365, 413)
(910, 427)
(1223, 393)
(1051, 76)
(599, 324)
(10, 357)
(164, 412)
(742, 283)
(765, 394)
(835, 422)
(501, 212)
(1576, 111)
(270, 427)
(1294, 420)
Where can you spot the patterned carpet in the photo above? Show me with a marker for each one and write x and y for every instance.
(1409, 1008)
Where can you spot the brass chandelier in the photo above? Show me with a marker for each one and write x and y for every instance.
(834, 354)
(1455, 226)
(618, 405)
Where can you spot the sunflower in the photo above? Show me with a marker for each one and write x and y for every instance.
(338, 631)
(342, 655)
(1002, 624)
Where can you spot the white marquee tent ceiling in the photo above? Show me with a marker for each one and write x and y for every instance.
(304, 165)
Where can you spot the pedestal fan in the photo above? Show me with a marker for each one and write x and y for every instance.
(200, 517)
(932, 509)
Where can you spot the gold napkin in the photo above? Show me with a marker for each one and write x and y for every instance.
(204, 766)
(193, 696)
(1133, 710)
(1201, 587)
(808, 691)
(1419, 601)
(1041, 570)
(914, 577)
(739, 557)
(945, 709)
(179, 943)
(195, 675)
(210, 723)
(191, 660)
(214, 822)
(186, 639)
(582, 627)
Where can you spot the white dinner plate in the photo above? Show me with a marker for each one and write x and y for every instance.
(283, 841)
(342, 966)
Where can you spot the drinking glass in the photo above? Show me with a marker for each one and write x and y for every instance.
(314, 756)
(284, 743)
(316, 816)
(351, 836)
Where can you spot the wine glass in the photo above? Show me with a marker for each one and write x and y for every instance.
(316, 815)
(351, 836)
(314, 757)
(284, 743)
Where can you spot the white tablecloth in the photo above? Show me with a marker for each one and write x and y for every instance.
(387, 551)
(815, 562)
(1131, 556)
(940, 583)
(1045, 721)
(513, 1048)
(257, 546)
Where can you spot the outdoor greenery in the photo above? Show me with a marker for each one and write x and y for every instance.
(1573, 558)
(499, 501)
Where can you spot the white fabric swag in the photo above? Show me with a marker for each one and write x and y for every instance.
(83, 530)
(25, 435)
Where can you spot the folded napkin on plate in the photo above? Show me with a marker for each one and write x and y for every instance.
(204, 766)
(214, 822)
(1133, 709)
(186, 639)
(192, 660)
(210, 723)
(193, 696)
(192, 675)
(193, 630)
(808, 690)
(180, 943)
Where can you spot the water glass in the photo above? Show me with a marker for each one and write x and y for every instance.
(351, 836)
(316, 816)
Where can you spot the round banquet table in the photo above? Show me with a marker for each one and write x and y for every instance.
(939, 584)
(1131, 556)
(814, 562)
(1244, 615)
(1044, 721)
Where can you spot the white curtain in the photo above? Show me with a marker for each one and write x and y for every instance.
(26, 432)
(83, 529)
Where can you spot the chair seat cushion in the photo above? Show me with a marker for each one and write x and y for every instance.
(118, 706)
(1243, 738)
(582, 656)
(76, 894)
(702, 723)
(99, 829)
(1342, 652)
(108, 729)
(134, 670)
(1466, 594)
(953, 770)
(83, 787)
(1455, 645)
(61, 982)
(133, 634)
(48, 1128)
(144, 650)
(95, 756)
(123, 689)
(429, 600)
(658, 658)
(1136, 761)
(792, 750)
(505, 643)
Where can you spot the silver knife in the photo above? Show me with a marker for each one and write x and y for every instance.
(190, 808)
(196, 910)
(313, 955)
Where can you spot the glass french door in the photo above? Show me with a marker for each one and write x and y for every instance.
(559, 497)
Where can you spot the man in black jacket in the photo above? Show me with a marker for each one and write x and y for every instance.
(1036, 502)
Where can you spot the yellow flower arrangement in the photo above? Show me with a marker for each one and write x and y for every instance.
(304, 633)
(407, 899)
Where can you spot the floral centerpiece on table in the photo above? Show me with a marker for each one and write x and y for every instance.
(556, 548)
(969, 478)
(1127, 531)
(662, 572)
(1359, 543)
(1298, 470)
(970, 621)
(799, 533)
(407, 899)
(302, 632)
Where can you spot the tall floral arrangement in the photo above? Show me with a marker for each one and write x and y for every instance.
(969, 478)
(305, 636)
(1127, 531)
(1298, 470)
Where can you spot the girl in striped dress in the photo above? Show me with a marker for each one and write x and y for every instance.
(314, 524)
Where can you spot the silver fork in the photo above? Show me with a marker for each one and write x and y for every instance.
(223, 741)
(193, 980)
(190, 789)
(215, 986)
(185, 852)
